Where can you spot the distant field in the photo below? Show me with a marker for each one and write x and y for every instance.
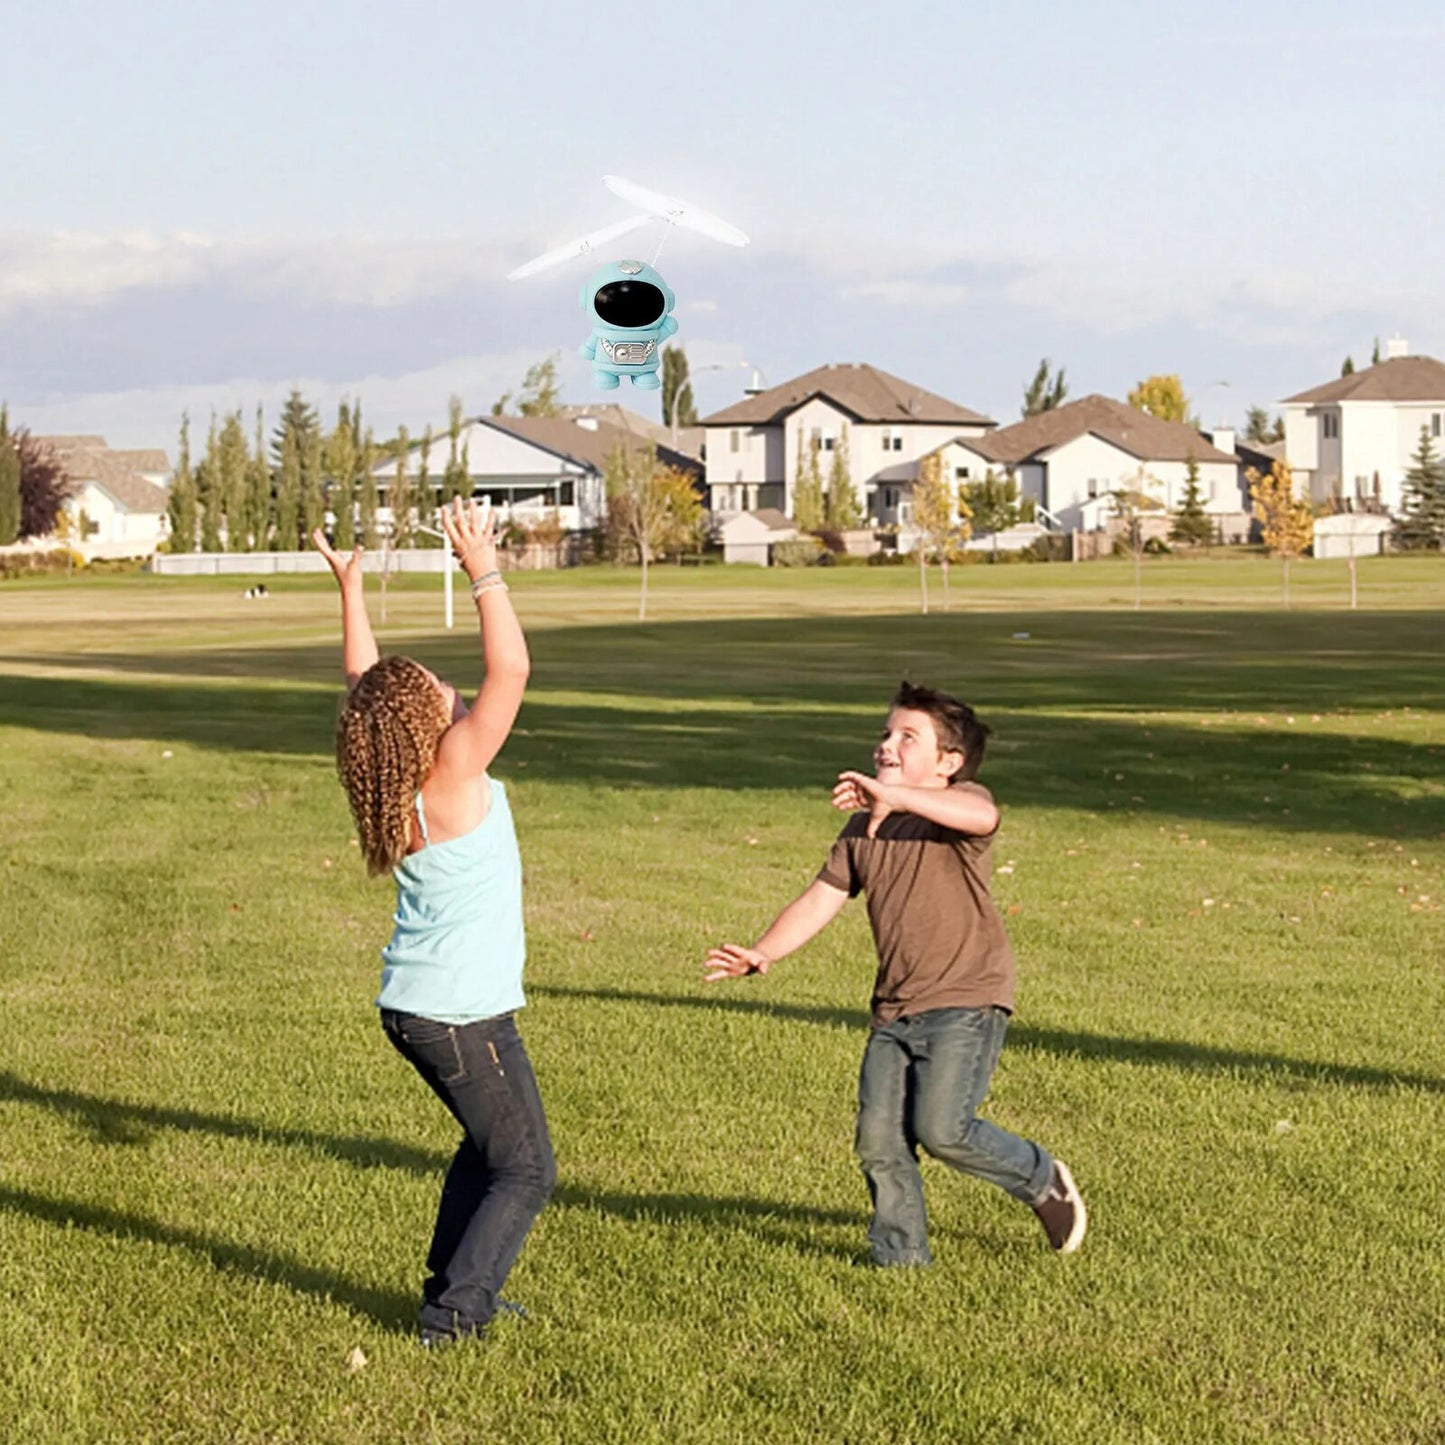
(1226, 829)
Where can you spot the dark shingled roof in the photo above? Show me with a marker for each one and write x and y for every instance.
(1126, 427)
(864, 392)
(1402, 378)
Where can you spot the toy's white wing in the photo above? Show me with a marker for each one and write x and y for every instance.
(679, 213)
(583, 246)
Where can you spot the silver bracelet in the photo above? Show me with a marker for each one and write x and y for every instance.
(488, 582)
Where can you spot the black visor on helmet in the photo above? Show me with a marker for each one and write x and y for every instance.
(629, 303)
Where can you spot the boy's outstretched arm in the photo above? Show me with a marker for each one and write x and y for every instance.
(358, 645)
(804, 918)
(965, 810)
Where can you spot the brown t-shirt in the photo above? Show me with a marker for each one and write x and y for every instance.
(940, 939)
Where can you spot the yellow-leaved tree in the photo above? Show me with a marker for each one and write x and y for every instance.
(1285, 520)
(943, 519)
(1161, 396)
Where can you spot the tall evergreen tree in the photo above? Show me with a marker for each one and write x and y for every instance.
(1422, 523)
(288, 493)
(808, 488)
(181, 506)
(426, 499)
(1347, 367)
(456, 479)
(366, 500)
(679, 408)
(9, 484)
(313, 484)
(541, 392)
(1191, 524)
(208, 492)
(341, 466)
(400, 496)
(258, 491)
(1044, 392)
(842, 511)
(232, 460)
(1260, 429)
(1375, 354)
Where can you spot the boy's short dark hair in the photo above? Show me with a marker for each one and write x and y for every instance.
(957, 725)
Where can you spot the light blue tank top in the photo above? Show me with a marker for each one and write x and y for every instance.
(457, 950)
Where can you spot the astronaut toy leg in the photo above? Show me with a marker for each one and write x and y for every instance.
(605, 380)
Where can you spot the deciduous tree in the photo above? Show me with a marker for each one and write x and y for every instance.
(808, 503)
(679, 407)
(1285, 520)
(541, 393)
(1162, 396)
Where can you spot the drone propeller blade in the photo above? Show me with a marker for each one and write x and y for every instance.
(581, 247)
(675, 211)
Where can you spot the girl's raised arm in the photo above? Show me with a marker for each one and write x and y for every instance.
(358, 646)
(470, 744)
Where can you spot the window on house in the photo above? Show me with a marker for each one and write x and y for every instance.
(1331, 427)
(1093, 486)
(733, 442)
(1435, 424)
(567, 494)
(960, 474)
(892, 440)
(1362, 489)
(817, 436)
(829, 443)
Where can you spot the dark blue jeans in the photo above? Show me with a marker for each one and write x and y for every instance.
(922, 1082)
(503, 1171)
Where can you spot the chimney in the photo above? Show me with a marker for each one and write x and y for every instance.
(755, 386)
(1396, 347)
(1222, 438)
(587, 423)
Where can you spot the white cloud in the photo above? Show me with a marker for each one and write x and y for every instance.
(152, 417)
(63, 267)
(903, 292)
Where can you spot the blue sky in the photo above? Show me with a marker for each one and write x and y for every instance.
(203, 205)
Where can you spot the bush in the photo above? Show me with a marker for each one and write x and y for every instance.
(1051, 547)
(30, 563)
(799, 552)
(883, 558)
(1157, 547)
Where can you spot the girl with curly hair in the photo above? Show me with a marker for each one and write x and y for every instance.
(413, 760)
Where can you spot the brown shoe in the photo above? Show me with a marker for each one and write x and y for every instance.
(1061, 1211)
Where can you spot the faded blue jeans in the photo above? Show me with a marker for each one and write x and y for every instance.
(922, 1081)
(503, 1171)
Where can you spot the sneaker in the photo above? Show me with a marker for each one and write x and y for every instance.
(1061, 1211)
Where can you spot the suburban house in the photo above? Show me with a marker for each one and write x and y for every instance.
(1352, 440)
(117, 506)
(534, 466)
(753, 445)
(1071, 459)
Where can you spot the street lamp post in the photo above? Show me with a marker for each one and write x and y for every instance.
(686, 388)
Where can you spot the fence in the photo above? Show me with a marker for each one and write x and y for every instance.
(534, 557)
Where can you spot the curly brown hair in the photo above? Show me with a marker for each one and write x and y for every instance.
(387, 733)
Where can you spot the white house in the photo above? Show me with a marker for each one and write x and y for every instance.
(749, 536)
(753, 445)
(1068, 461)
(117, 505)
(1352, 440)
(531, 467)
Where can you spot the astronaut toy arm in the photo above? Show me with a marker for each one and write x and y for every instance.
(588, 348)
(666, 328)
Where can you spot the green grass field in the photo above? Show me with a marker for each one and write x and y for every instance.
(1226, 829)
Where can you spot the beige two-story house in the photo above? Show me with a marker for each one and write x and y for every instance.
(753, 445)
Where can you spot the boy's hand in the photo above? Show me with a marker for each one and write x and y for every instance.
(347, 570)
(732, 960)
(853, 791)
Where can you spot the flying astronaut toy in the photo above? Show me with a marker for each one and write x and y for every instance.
(628, 302)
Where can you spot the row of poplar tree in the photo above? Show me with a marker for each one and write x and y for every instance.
(245, 494)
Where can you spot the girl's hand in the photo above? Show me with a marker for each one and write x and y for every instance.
(346, 569)
(732, 960)
(472, 535)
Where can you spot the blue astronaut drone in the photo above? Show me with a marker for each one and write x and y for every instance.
(627, 302)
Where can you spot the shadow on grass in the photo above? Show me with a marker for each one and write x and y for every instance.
(392, 1312)
(1062, 1043)
(1227, 772)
